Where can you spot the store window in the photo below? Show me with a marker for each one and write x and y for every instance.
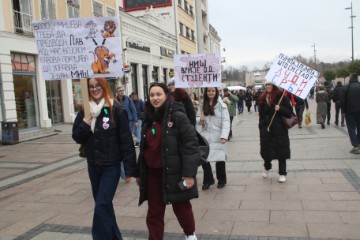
(53, 96)
(76, 89)
(134, 77)
(145, 80)
(24, 76)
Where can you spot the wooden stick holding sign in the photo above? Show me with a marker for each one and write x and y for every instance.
(272, 118)
(85, 96)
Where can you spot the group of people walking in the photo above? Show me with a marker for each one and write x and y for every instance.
(167, 163)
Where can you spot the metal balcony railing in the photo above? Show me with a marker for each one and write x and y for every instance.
(22, 23)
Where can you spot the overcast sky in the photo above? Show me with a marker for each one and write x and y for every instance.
(254, 32)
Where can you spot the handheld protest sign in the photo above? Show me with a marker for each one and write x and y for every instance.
(197, 70)
(79, 48)
(292, 76)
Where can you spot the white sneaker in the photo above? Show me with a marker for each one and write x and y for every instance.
(282, 178)
(355, 150)
(191, 237)
(265, 174)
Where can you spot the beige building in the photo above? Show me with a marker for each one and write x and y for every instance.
(255, 78)
(35, 104)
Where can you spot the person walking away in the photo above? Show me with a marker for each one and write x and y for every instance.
(181, 96)
(321, 98)
(108, 142)
(300, 105)
(255, 97)
(352, 111)
(241, 97)
(132, 116)
(139, 106)
(275, 143)
(248, 99)
(215, 127)
(230, 100)
(169, 154)
(338, 98)
(328, 109)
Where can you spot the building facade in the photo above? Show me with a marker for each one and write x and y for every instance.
(36, 104)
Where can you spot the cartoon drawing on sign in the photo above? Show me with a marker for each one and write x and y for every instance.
(101, 60)
(109, 29)
(92, 31)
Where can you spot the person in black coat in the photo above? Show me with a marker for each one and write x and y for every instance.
(275, 143)
(248, 99)
(338, 98)
(169, 154)
(108, 142)
(300, 105)
(181, 96)
(352, 111)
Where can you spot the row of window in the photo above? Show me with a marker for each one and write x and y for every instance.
(186, 32)
(186, 7)
(48, 8)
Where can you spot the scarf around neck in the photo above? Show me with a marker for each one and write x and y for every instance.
(95, 110)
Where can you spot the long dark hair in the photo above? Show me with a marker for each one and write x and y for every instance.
(150, 114)
(272, 98)
(207, 108)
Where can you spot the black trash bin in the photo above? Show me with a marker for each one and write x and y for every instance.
(10, 133)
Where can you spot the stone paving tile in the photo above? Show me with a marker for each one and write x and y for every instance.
(270, 229)
(350, 217)
(237, 215)
(310, 205)
(342, 231)
(284, 196)
(271, 205)
(305, 217)
(344, 196)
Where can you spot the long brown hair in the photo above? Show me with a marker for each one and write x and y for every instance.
(207, 108)
(106, 90)
(272, 98)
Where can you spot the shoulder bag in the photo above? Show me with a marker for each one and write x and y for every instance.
(291, 121)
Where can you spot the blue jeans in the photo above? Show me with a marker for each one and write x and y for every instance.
(353, 126)
(138, 131)
(132, 127)
(104, 181)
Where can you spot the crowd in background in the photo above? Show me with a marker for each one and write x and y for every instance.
(164, 128)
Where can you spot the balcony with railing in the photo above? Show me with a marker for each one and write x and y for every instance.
(22, 23)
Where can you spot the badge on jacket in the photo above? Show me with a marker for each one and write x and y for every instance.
(105, 124)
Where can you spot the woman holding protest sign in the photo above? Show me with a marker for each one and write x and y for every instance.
(108, 142)
(274, 136)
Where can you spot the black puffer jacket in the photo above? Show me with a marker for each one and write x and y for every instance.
(274, 144)
(352, 97)
(109, 144)
(180, 154)
(338, 95)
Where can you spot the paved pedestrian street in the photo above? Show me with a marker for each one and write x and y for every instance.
(45, 191)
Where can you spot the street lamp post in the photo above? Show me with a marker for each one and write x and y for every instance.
(352, 31)
(313, 46)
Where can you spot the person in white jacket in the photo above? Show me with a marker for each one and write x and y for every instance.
(215, 127)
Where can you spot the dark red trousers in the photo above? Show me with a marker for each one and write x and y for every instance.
(156, 211)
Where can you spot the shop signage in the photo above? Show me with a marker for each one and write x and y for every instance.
(137, 46)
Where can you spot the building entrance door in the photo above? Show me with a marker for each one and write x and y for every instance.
(53, 96)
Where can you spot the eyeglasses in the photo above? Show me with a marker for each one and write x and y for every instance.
(94, 87)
